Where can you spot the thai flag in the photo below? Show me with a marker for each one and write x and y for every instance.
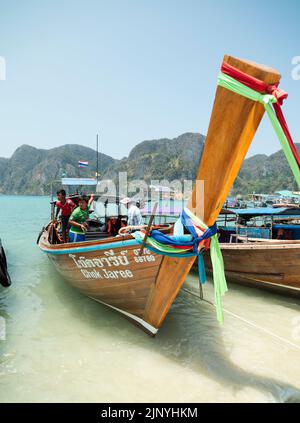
(82, 164)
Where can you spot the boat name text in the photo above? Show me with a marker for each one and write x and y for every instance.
(98, 268)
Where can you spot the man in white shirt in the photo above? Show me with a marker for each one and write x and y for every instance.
(134, 213)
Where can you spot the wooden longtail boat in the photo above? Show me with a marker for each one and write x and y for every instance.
(253, 255)
(144, 288)
(270, 264)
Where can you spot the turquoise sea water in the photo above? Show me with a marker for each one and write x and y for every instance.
(61, 346)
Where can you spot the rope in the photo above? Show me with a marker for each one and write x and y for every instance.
(262, 329)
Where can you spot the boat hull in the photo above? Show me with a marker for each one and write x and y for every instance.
(110, 272)
(272, 265)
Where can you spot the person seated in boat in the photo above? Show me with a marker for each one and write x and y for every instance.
(65, 206)
(241, 221)
(78, 219)
(284, 234)
(134, 213)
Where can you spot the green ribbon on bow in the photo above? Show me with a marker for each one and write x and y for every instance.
(267, 100)
(220, 285)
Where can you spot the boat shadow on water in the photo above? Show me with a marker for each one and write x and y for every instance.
(198, 339)
(191, 337)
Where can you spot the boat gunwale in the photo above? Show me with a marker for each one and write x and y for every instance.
(68, 245)
(121, 241)
(85, 246)
(261, 245)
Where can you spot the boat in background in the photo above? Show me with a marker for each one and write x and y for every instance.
(142, 285)
(234, 203)
(262, 248)
(287, 199)
(263, 222)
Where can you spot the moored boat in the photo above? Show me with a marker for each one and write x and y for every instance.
(143, 287)
(274, 265)
(262, 249)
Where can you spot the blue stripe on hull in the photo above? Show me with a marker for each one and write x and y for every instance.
(99, 247)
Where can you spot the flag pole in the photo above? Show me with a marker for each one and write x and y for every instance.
(97, 147)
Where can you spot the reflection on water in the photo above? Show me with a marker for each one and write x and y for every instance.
(61, 346)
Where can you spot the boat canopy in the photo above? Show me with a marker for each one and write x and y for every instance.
(266, 211)
(288, 194)
(78, 181)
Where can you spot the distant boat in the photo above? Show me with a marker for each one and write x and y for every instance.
(265, 254)
(234, 203)
(143, 287)
(4, 275)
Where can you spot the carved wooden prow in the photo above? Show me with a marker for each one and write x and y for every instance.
(233, 124)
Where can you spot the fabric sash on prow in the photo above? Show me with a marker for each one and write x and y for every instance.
(233, 124)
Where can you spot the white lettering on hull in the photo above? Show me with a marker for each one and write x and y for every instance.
(107, 274)
(105, 267)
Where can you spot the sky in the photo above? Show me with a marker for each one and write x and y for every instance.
(133, 70)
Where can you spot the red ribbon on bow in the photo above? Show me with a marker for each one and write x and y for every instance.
(260, 86)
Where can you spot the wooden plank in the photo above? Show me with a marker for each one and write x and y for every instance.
(130, 289)
(281, 265)
(129, 294)
(233, 123)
